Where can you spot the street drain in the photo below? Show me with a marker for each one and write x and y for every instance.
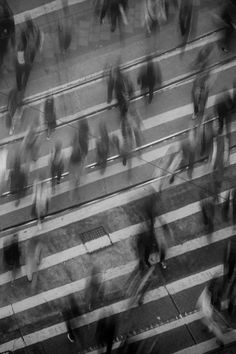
(95, 239)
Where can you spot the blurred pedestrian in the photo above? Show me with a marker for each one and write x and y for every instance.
(128, 142)
(57, 165)
(102, 147)
(31, 40)
(154, 13)
(84, 137)
(202, 59)
(186, 154)
(117, 10)
(228, 16)
(15, 109)
(41, 198)
(123, 89)
(33, 259)
(223, 110)
(12, 255)
(71, 311)
(3, 169)
(50, 116)
(149, 77)
(219, 157)
(185, 18)
(230, 272)
(7, 29)
(106, 332)
(200, 92)
(34, 39)
(208, 206)
(211, 317)
(30, 144)
(22, 65)
(18, 179)
(65, 28)
(94, 291)
(76, 164)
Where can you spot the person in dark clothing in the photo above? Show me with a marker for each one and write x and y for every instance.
(94, 293)
(106, 332)
(69, 312)
(84, 137)
(229, 271)
(228, 16)
(29, 44)
(50, 116)
(65, 29)
(18, 180)
(123, 91)
(200, 92)
(149, 76)
(208, 213)
(7, 28)
(11, 256)
(57, 164)
(185, 18)
(223, 109)
(103, 147)
(23, 67)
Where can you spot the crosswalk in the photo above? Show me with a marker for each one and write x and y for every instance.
(168, 320)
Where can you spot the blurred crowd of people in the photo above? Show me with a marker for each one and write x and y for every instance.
(208, 137)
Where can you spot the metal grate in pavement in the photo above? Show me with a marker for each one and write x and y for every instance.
(95, 239)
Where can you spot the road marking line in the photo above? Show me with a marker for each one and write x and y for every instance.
(43, 10)
(208, 345)
(119, 271)
(104, 205)
(95, 176)
(127, 233)
(98, 76)
(119, 307)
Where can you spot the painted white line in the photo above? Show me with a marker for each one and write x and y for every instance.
(211, 344)
(128, 232)
(120, 271)
(43, 10)
(111, 170)
(104, 205)
(73, 85)
(122, 306)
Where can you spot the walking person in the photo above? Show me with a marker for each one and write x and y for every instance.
(65, 28)
(102, 147)
(3, 169)
(50, 116)
(33, 260)
(7, 29)
(106, 332)
(76, 165)
(200, 92)
(149, 77)
(94, 292)
(40, 199)
(57, 165)
(15, 109)
(12, 256)
(228, 16)
(18, 179)
(185, 18)
(211, 317)
(30, 144)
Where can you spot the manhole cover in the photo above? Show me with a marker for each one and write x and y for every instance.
(95, 239)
